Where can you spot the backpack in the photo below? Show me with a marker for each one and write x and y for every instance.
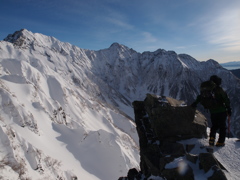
(207, 92)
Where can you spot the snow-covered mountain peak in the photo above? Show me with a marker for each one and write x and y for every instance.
(16, 35)
(121, 50)
(21, 38)
(25, 39)
(116, 45)
(213, 63)
(56, 95)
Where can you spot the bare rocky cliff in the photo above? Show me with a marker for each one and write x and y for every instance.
(163, 124)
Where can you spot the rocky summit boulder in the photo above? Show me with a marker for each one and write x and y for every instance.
(162, 123)
(172, 119)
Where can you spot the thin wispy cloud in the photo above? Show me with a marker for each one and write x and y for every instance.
(223, 30)
(185, 47)
(211, 26)
(148, 37)
(119, 23)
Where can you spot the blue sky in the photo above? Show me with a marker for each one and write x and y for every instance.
(204, 29)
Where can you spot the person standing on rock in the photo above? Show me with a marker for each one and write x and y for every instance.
(216, 100)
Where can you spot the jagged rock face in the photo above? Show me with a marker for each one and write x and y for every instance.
(161, 123)
(181, 120)
(168, 118)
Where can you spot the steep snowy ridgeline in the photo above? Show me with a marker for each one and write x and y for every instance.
(60, 99)
(118, 68)
(52, 124)
(163, 73)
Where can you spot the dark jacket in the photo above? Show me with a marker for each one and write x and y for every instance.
(223, 104)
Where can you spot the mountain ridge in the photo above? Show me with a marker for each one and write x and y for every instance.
(55, 96)
(135, 74)
(46, 82)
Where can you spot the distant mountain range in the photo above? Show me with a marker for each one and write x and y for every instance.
(67, 112)
(231, 65)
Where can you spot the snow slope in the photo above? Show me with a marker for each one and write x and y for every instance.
(66, 112)
(52, 127)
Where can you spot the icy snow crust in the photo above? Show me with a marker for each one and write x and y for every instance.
(65, 112)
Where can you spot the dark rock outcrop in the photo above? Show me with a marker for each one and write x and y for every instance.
(173, 120)
(162, 122)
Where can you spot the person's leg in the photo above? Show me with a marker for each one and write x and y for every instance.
(222, 128)
(213, 129)
(215, 125)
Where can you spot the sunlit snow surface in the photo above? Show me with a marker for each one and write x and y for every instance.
(53, 127)
(228, 156)
(58, 119)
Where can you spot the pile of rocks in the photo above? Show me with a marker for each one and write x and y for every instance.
(162, 122)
